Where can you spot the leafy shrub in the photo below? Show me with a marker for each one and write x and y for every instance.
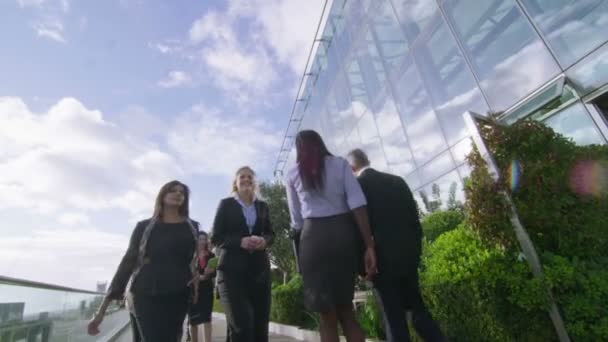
(288, 304)
(370, 318)
(542, 171)
(439, 222)
(476, 293)
(581, 289)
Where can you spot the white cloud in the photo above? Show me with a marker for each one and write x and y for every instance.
(79, 257)
(214, 143)
(30, 3)
(52, 29)
(74, 218)
(176, 79)
(247, 47)
(71, 157)
(287, 26)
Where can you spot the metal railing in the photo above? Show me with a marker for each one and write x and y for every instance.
(35, 311)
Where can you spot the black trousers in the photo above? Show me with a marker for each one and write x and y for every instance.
(396, 296)
(134, 328)
(161, 317)
(246, 302)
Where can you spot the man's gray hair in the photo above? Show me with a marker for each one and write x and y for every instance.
(359, 157)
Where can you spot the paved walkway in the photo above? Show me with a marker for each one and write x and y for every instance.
(219, 334)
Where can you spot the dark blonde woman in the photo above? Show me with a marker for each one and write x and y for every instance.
(242, 232)
(328, 207)
(199, 314)
(161, 263)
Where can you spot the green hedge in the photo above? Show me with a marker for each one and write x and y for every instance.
(439, 222)
(469, 290)
(288, 305)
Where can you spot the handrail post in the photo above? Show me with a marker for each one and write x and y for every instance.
(527, 246)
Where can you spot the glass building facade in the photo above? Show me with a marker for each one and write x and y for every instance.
(394, 77)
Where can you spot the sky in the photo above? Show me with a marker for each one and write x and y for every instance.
(102, 102)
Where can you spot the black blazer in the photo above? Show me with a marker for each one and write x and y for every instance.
(229, 227)
(394, 222)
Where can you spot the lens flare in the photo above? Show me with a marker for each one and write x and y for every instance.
(514, 173)
(590, 178)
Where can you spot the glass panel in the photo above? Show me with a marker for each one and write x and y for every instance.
(38, 314)
(421, 125)
(413, 180)
(461, 150)
(370, 141)
(395, 145)
(415, 16)
(371, 65)
(436, 168)
(360, 100)
(572, 27)
(592, 72)
(508, 56)
(574, 122)
(389, 37)
(465, 172)
(448, 80)
(539, 100)
(444, 193)
(345, 109)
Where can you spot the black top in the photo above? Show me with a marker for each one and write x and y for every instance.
(229, 227)
(394, 222)
(166, 268)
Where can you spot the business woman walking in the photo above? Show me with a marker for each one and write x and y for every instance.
(327, 206)
(242, 232)
(161, 262)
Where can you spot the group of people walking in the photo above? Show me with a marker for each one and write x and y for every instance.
(349, 218)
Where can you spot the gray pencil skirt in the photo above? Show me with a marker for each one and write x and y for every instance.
(328, 261)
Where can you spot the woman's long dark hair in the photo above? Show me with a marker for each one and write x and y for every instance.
(183, 210)
(311, 152)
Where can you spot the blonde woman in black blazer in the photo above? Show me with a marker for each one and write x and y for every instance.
(242, 233)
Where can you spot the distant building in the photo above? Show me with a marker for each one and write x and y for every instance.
(102, 286)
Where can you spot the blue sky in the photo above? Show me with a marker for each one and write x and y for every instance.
(101, 102)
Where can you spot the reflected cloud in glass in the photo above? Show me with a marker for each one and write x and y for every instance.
(592, 72)
(437, 167)
(573, 28)
(574, 122)
(448, 80)
(415, 16)
(389, 37)
(509, 58)
(423, 130)
(393, 138)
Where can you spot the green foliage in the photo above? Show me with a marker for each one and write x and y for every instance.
(477, 293)
(370, 318)
(288, 304)
(439, 222)
(281, 253)
(581, 289)
(558, 219)
(217, 306)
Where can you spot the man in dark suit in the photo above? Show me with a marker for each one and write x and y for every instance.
(397, 232)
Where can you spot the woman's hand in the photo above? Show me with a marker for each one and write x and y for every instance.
(248, 244)
(260, 243)
(370, 263)
(94, 323)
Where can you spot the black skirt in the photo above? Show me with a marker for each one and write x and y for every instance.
(329, 261)
(200, 312)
